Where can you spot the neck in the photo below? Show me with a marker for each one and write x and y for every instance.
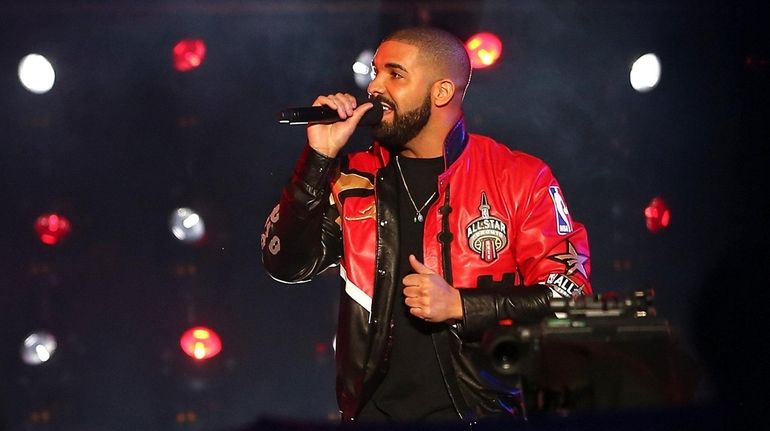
(429, 143)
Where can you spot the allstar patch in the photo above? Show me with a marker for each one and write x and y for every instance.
(487, 235)
(563, 221)
(572, 260)
(562, 286)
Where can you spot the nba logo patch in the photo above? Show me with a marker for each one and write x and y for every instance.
(563, 222)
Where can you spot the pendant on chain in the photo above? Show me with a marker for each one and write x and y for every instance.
(418, 218)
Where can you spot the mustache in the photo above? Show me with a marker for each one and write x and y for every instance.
(383, 99)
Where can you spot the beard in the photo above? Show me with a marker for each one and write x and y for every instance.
(404, 128)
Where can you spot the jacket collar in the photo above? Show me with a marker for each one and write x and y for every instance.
(454, 144)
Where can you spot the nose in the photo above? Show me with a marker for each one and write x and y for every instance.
(375, 87)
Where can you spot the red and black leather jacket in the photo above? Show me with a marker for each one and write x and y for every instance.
(500, 232)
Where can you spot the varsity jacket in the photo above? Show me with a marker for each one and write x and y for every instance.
(499, 231)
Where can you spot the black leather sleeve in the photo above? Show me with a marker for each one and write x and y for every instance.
(301, 237)
(484, 308)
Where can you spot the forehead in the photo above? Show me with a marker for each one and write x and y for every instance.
(395, 52)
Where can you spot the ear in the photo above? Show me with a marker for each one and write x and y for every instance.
(443, 92)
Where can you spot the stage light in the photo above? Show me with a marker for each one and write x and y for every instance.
(52, 228)
(37, 348)
(40, 416)
(186, 225)
(200, 343)
(657, 215)
(186, 416)
(645, 73)
(362, 69)
(36, 73)
(189, 54)
(484, 49)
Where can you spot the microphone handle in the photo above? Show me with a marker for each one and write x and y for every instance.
(326, 115)
(309, 114)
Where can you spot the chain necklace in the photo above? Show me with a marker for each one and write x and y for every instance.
(418, 217)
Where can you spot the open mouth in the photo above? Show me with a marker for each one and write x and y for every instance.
(386, 108)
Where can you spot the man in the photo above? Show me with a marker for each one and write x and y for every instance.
(439, 235)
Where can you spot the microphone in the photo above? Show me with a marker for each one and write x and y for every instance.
(326, 115)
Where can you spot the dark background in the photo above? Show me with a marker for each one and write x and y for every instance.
(123, 139)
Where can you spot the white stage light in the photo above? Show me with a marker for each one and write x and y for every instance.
(38, 347)
(36, 73)
(645, 73)
(186, 225)
(362, 69)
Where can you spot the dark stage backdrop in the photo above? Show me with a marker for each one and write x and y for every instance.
(123, 139)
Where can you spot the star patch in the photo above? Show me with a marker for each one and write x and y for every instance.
(572, 260)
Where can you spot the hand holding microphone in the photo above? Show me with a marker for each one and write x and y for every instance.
(332, 120)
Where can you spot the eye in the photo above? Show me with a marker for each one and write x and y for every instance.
(396, 75)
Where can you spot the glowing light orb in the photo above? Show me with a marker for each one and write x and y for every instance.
(36, 73)
(645, 73)
(186, 225)
(38, 348)
(484, 49)
(657, 215)
(362, 69)
(200, 343)
(52, 228)
(189, 54)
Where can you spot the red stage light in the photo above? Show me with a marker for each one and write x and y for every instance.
(484, 49)
(189, 54)
(657, 215)
(52, 228)
(321, 347)
(200, 343)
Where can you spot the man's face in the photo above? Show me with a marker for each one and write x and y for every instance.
(404, 126)
(402, 85)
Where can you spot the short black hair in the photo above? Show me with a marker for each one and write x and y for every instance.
(441, 49)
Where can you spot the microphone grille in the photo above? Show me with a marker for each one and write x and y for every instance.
(373, 116)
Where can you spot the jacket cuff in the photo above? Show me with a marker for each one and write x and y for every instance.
(484, 308)
(479, 312)
(314, 170)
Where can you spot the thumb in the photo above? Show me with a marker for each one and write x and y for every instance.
(418, 266)
(361, 110)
